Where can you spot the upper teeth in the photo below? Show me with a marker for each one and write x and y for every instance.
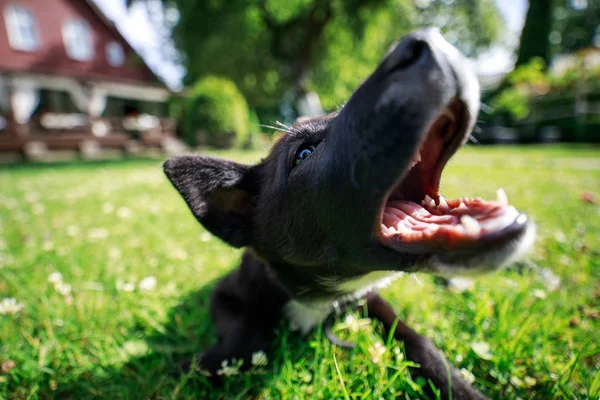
(502, 198)
(429, 201)
(443, 203)
(416, 160)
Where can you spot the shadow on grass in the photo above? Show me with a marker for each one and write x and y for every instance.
(157, 373)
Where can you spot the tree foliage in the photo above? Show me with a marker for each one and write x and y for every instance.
(271, 48)
(577, 25)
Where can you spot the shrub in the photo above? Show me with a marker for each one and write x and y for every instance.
(216, 114)
(522, 83)
(533, 99)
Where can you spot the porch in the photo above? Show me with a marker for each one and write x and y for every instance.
(51, 118)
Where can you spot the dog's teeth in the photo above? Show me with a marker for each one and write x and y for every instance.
(388, 231)
(502, 197)
(462, 206)
(443, 203)
(471, 225)
(416, 160)
(429, 201)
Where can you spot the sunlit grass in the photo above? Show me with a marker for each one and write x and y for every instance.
(136, 270)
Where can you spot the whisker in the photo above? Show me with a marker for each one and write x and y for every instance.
(275, 128)
(417, 279)
(485, 108)
(282, 125)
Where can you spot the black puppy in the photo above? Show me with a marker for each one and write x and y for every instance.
(347, 202)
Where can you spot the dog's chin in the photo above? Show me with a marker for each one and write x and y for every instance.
(482, 261)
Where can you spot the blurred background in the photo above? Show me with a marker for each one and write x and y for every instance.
(111, 78)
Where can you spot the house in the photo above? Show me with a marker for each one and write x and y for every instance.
(71, 85)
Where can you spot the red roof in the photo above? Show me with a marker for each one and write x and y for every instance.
(50, 56)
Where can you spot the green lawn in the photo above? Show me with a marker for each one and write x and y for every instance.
(101, 330)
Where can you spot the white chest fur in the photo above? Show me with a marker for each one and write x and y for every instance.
(304, 316)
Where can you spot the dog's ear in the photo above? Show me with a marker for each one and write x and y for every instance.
(218, 192)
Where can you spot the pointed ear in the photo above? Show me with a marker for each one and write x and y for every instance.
(218, 192)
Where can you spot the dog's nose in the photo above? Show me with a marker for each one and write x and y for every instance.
(421, 48)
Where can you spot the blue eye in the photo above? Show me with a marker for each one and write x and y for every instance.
(302, 153)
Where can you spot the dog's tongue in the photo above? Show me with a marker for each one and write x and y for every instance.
(447, 221)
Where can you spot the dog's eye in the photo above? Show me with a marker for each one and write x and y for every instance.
(302, 153)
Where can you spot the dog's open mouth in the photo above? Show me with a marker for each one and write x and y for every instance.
(416, 215)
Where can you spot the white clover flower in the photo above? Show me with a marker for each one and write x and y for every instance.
(55, 277)
(72, 230)
(179, 254)
(229, 370)
(352, 322)
(32, 197)
(38, 209)
(124, 213)
(108, 208)
(469, 377)
(356, 324)
(10, 306)
(114, 253)
(124, 286)
(63, 288)
(377, 350)
(98, 233)
(147, 284)
(259, 359)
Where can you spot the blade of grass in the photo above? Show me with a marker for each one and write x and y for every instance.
(339, 373)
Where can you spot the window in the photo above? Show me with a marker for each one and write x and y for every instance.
(115, 55)
(77, 36)
(22, 29)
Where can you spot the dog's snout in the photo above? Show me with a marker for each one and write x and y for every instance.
(409, 52)
(419, 49)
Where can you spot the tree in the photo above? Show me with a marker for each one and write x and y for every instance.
(553, 27)
(536, 31)
(273, 48)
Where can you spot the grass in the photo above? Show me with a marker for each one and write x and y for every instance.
(105, 227)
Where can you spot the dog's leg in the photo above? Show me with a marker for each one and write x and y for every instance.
(419, 349)
(245, 308)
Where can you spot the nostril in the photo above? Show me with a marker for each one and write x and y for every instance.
(409, 54)
(419, 48)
